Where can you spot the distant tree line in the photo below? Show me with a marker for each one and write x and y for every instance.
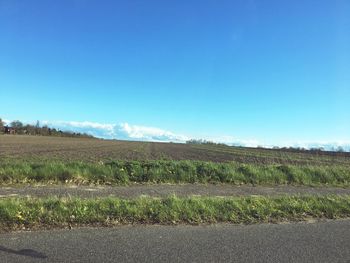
(335, 150)
(17, 127)
(201, 141)
(338, 151)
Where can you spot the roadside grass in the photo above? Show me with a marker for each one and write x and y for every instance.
(164, 171)
(30, 213)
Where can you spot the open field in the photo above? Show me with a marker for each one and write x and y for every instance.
(60, 163)
(39, 159)
(95, 150)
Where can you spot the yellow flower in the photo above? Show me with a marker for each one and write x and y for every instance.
(19, 216)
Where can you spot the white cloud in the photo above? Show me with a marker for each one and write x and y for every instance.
(148, 133)
(100, 130)
(122, 131)
(7, 122)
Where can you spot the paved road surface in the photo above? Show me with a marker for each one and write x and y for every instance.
(164, 190)
(302, 242)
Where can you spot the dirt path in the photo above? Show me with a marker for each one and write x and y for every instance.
(165, 190)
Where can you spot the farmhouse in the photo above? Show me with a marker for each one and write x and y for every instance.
(9, 130)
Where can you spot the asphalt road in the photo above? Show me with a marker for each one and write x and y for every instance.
(302, 242)
(165, 190)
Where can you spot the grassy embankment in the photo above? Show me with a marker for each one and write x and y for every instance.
(16, 213)
(125, 172)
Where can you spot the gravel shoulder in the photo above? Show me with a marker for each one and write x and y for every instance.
(165, 190)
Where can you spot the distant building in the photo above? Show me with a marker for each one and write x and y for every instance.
(9, 130)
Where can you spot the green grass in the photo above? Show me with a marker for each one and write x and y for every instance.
(17, 213)
(125, 172)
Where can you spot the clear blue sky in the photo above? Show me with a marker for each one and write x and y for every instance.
(268, 70)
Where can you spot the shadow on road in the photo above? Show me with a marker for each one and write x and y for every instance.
(24, 252)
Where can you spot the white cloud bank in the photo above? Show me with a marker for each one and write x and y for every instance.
(126, 131)
(149, 133)
(100, 130)
(123, 131)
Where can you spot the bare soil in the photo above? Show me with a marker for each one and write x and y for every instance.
(96, 150)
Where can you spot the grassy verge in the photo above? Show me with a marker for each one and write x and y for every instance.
(55, 212)
(124, 172)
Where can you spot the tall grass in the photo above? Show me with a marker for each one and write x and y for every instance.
(29, 212)
(125, 172)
